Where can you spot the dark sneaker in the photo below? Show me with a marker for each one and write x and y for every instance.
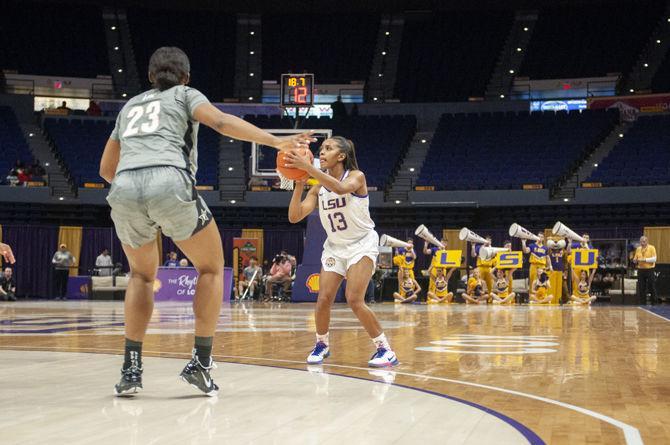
(197, 375)
(131, 381)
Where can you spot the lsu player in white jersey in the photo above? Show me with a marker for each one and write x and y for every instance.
(352, 246)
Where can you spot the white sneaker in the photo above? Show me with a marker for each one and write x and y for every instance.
(383, 358)
(318, 354)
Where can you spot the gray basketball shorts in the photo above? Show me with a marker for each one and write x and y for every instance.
(150, 198)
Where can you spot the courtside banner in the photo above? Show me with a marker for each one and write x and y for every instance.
(631, 106)
(245, 249)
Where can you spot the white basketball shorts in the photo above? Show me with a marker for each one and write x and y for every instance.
(339, 258)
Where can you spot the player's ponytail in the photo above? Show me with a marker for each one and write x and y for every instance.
(168, 66)
(346, 147)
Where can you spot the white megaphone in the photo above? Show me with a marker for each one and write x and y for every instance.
(561, 229)
(488, 253)
(517, 231)
(468, 235)
(423, 232)
(389, 241)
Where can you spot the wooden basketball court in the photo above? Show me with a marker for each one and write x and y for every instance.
(476, 375)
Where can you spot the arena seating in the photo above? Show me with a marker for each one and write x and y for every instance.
(80, 142)
(351, 42)
(207, 37)
(13, 145)
(507, 150)
(589, 40)
(380, 141)
(642, 157)
(52, 39)
(449, 57)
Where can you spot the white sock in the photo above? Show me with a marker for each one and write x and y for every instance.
(322, 338)
(381, 342)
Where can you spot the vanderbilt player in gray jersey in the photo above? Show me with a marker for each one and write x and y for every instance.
(151, 160)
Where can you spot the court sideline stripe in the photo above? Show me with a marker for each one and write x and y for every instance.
(654, 313)
(631, 434)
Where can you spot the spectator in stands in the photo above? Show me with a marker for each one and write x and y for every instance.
(13, 176)
(183, 262)
(252, 277)
(172, 260)
(289, 257)
(645, 260)
(64, 106)
(62, 261)
(339, 110)
(37, 172)
(23, 176)
(104, 264)
(8, 285)
(93, 109)
(280, 273)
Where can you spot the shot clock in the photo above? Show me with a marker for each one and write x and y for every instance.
(297, 90)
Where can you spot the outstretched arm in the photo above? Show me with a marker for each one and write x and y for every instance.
(237, 128)
(297, 209)
(591, 275)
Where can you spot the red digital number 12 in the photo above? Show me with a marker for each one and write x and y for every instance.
(300, 95)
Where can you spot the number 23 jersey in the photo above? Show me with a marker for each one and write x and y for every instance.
(345, 218)
(157, 128)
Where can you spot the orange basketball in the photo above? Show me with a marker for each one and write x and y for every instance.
(294, 174)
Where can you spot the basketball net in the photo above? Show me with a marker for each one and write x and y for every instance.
(285, 184)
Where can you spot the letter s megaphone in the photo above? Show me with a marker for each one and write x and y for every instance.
(517, 231)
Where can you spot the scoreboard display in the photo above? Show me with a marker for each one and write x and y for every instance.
(297, 90)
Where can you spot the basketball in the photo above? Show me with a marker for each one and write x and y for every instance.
(294, 174)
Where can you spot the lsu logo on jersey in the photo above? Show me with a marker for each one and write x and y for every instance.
(447, 258)
(584, 258)
(334, 203)
(312, 283)
(509, 260)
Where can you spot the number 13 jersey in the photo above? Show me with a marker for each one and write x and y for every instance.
(345, 218)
